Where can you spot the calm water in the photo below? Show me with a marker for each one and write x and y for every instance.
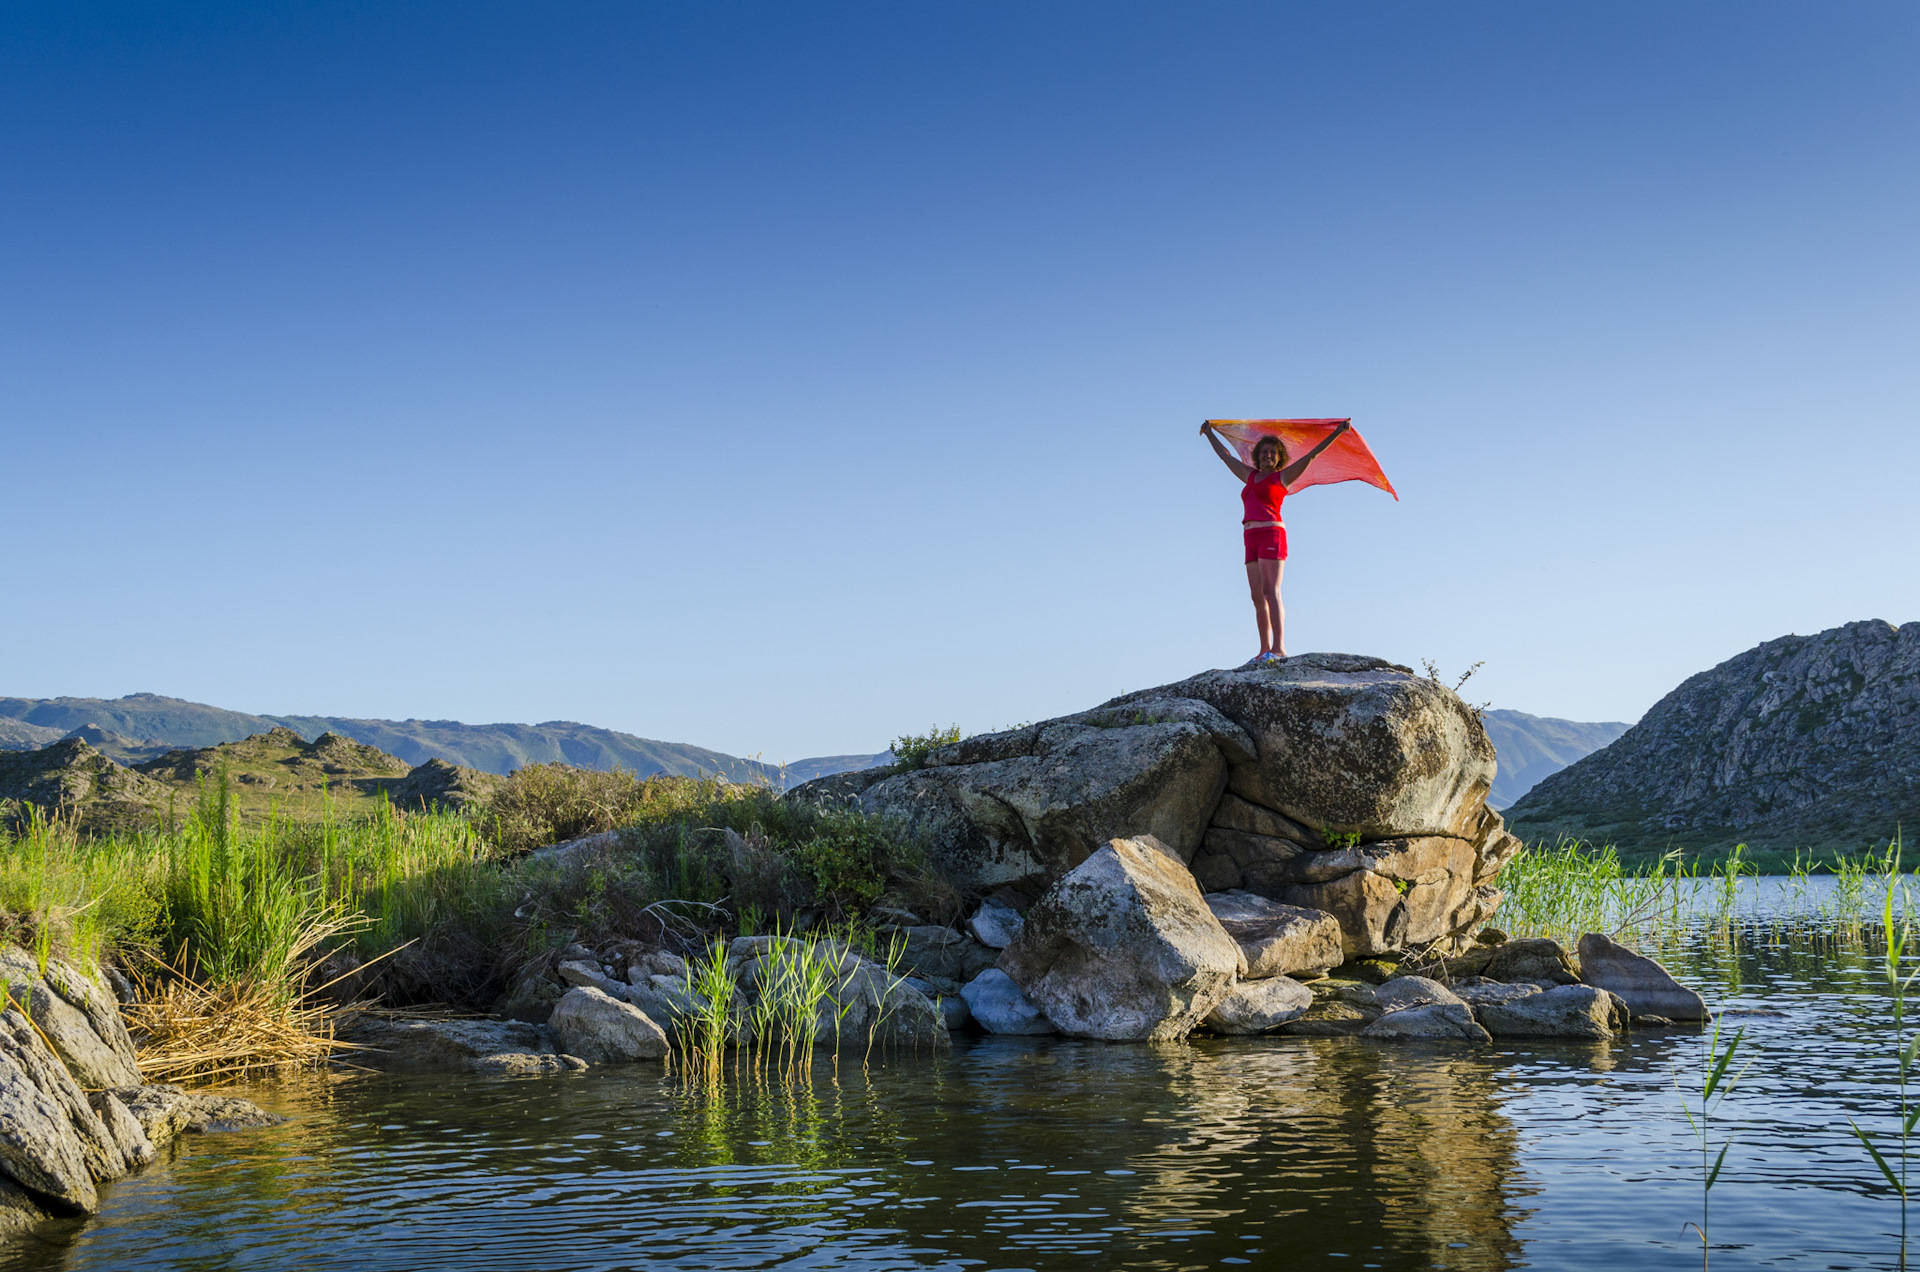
(1310, 1153)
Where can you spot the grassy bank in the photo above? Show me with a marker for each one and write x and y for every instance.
(438, 907)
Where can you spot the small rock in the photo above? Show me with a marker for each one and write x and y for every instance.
(577, 953)
(127, 1134)
(1330, 1018)
(1404, 992)
(1491, 936)
(604, 1030)
(1477, 992)
(1432, 1020)
(1260, 1006)
(1374, 971)
(954, 1010)
(1277, 940)
(998, 1005)
(932, 952)
(165, 1111)
(589, 974)
(1650, 1022)
(1648, 988)
(1533, 958)
(995, 924)
(887, 914)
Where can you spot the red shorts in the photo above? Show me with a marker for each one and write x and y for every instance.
(1265, 543)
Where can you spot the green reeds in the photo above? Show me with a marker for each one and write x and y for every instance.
(1898, 932)
(1716, 1082)
(1571, 888)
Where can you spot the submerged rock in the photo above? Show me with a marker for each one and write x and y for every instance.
(1124, 948)
(1260, 1006)
(1647, 988)
(480, 1046)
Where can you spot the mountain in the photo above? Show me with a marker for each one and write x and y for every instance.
(1532, 747)
(142, 726)
(1802, 742)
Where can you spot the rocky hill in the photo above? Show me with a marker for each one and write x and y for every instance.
(71, 777)
(1803, 742)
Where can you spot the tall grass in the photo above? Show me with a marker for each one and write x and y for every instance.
(1900, 981)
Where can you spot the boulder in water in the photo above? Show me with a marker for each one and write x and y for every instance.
(1647, 988)
(1124, 948)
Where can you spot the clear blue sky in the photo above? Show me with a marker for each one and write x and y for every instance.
(783, 377)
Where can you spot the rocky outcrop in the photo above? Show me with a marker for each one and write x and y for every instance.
(71, 778)
(73, 1114)
(1330, 782)
(1802, 742)
(1124, 948)
(438, 783)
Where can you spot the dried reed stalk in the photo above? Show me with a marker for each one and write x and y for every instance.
(247, 1027)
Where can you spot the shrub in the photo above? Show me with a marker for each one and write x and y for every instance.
(910, 751)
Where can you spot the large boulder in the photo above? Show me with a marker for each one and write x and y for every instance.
(1124, 948)
(1326, 781)
(1276, 939)
(1647, 988)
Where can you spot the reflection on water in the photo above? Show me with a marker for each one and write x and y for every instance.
(1282, 1153)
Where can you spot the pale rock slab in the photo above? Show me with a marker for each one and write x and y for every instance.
(1124, 948)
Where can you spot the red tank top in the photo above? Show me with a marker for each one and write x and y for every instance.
(1261, 497)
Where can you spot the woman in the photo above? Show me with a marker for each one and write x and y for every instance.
(1265, 533)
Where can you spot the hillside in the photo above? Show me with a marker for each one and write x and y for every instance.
(142, 726)
(1534, 747)
(275, 773)
(1802, 742)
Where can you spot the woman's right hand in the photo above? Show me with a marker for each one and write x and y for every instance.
(1206, 426)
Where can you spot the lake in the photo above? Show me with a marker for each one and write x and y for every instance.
(1020, 1153)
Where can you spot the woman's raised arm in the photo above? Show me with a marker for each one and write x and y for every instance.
(1291, 473)
(1239, 469)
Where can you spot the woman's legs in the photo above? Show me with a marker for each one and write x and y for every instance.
(1263, 580)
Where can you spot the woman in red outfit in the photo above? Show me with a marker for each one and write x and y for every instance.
(1265, 533)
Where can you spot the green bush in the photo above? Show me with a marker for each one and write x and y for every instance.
(910, 751)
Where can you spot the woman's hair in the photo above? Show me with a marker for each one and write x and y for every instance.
(1274, 442)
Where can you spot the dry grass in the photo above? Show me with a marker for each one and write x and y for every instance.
(241, 1027)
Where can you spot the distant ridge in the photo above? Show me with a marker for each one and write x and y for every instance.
(141, 726)
(1533, 747)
